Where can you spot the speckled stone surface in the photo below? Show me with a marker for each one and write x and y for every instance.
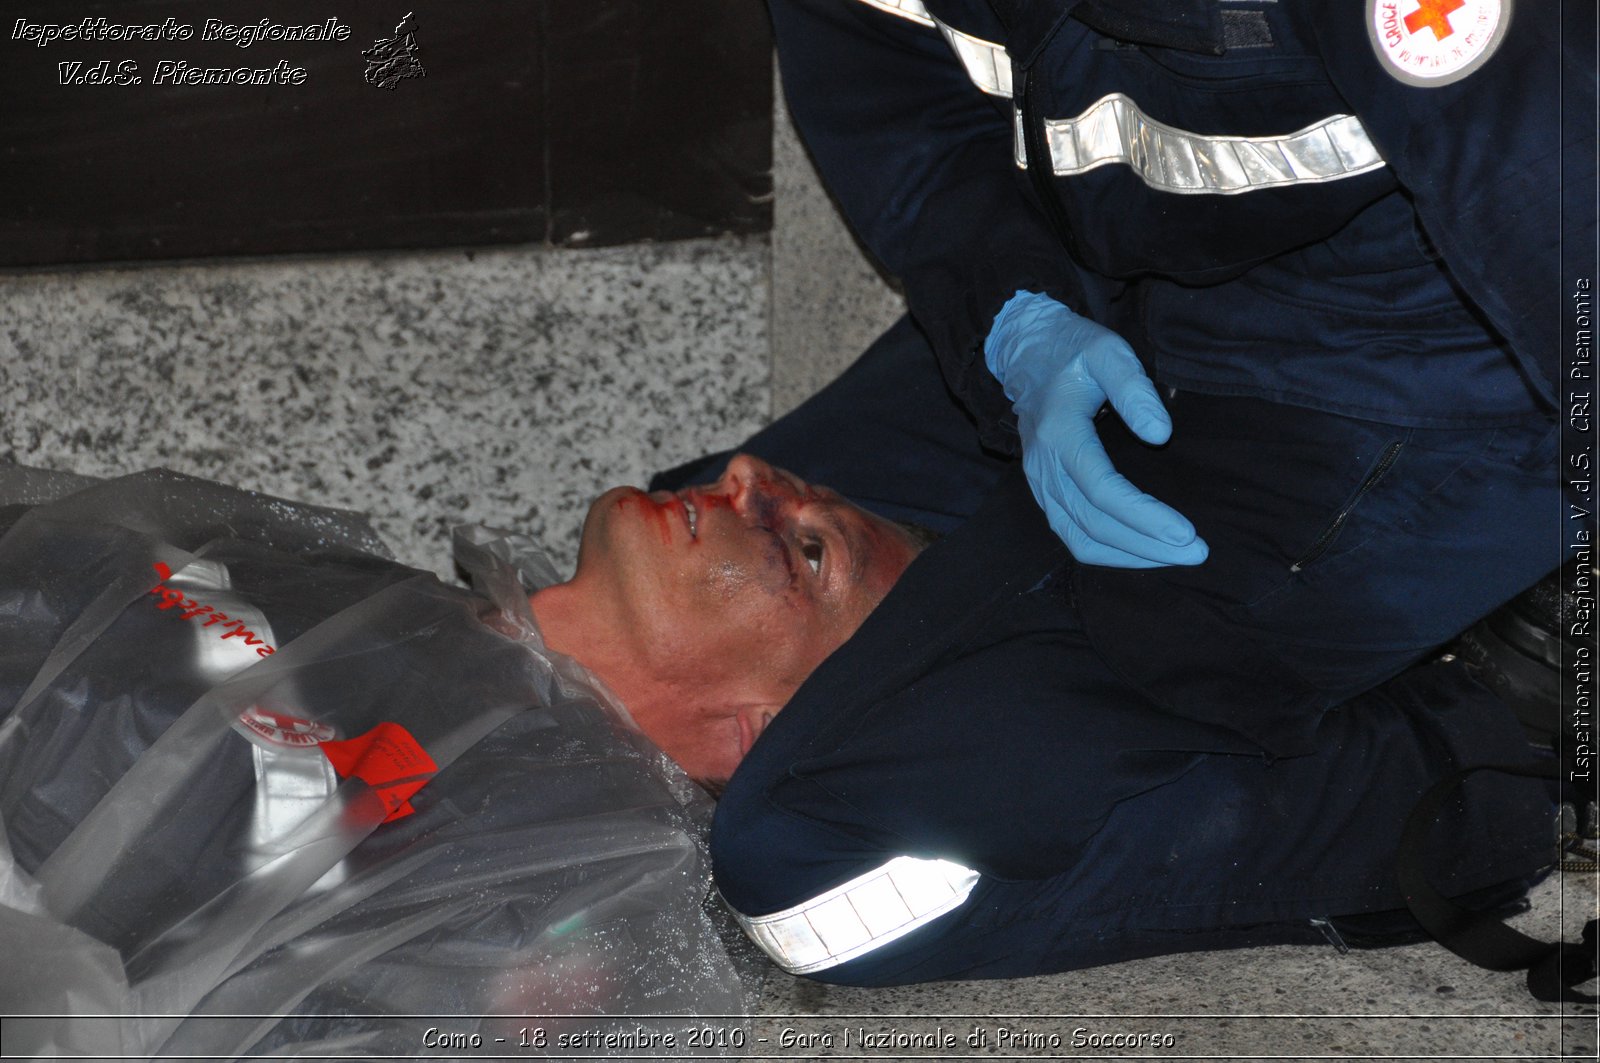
(505, 387)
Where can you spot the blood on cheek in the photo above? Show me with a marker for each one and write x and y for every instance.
(653, 511)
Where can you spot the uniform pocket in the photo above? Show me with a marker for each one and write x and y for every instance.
(1330, 534)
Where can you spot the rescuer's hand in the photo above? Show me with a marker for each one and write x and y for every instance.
(1058, 368)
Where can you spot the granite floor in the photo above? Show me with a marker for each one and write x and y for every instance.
(503, 386)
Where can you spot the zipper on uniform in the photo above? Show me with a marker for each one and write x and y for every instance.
(1325, 540)
(1041, 167)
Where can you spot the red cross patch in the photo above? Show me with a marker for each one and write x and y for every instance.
(1435, 15)
(1434, 42)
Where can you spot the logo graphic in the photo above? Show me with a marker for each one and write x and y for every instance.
(393, 59)
(281, 730)
(1434, 42)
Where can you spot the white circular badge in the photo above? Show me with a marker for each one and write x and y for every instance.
(1435, 42)
(283, 730)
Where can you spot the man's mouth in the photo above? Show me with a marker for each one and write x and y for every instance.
(693, 515)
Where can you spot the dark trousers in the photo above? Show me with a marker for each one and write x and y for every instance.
(1343, 552)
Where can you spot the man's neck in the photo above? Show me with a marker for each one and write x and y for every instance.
(573, 622)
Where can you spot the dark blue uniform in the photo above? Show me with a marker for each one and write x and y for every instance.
(1347, 287)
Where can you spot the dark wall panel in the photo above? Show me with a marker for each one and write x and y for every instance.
(536, 120)
(681, 84)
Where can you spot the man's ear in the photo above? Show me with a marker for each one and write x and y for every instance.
(753, 719)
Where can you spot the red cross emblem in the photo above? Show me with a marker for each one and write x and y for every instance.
(1434, 15)
(1465, 34)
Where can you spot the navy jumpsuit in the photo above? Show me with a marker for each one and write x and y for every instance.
(1347, 288)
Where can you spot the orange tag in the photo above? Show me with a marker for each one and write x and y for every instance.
(387, 759)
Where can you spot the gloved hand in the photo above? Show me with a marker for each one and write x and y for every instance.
(1057, 368)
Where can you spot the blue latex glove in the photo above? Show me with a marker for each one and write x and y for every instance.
(1057, 369)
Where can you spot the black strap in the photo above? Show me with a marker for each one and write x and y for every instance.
(1478, 937)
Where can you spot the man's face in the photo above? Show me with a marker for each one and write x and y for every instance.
(744, 585)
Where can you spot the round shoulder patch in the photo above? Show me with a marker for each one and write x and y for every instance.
(1435, 42)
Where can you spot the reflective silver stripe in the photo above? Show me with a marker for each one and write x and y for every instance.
(865, 913)
(987, 63)
(908, 9)
(1115, 130)
(291, 784)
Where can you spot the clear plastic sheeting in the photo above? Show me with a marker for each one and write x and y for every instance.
(265, 791)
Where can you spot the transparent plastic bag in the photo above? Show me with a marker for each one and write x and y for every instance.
(265, 790)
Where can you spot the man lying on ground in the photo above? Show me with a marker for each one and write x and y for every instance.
(247, 767)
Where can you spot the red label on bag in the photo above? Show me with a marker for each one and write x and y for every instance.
(387, 759)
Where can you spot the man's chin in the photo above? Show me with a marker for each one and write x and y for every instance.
(610, 503)
(603, 524)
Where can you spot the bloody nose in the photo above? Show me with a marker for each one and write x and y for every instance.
(751, 480)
